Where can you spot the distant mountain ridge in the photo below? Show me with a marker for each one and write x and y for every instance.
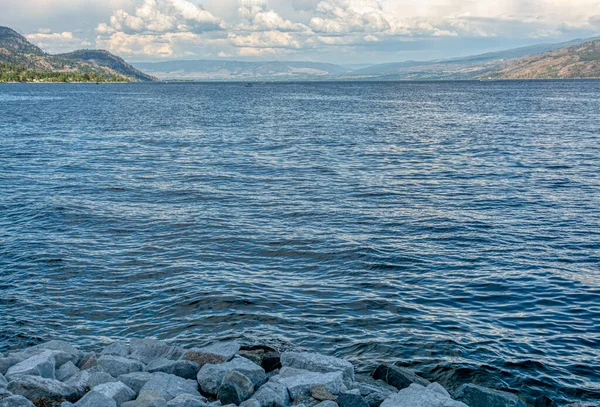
(576, 61)
(17, 51)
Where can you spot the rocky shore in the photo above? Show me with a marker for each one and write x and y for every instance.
(151, 373)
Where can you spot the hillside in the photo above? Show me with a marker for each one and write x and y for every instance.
(22, 61)
(578, 61)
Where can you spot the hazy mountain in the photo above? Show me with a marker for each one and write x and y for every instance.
(16, 51)
(240, 70)
(577, 61)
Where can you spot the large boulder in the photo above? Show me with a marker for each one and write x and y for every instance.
(79, 382)
(118, 365)
(7, 362)
(182, 368)
(116, 349)
(95, 399)
(235, 388)
(66, 371)
(301, 382)
(135, 380)
(352, 400)
(214, 354)
(88, 361)
(211, 375)
(35, 387)
(479, 396)
(315, 362)
(147, 350)
(62, 346)
(3, 382)
(147, 399)
(117, 391)
(16, 401)
(398, 377)
(170, 386)
(187, 400)
(99, 378)
(272, 394)
(416, 395)
(41, 364)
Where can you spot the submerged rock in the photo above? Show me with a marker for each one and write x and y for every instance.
(416, 395)
(315, 362)
(398, 377)
(479, 396)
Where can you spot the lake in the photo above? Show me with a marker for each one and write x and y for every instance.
(453, 227)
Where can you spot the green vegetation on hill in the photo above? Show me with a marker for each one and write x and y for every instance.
(21, 61)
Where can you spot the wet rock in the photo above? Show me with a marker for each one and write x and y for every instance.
(16, 401)
(79, 382)
(116, 349)
(375, 399)
(42, 364)
(88, 361)
(351, 400)
(7, 362)
(368, 385)
(271, 360)
(187, 400)
(250, 403)
(118, 391)
(136, 380)
(315, 362)
(235, 388)
(416, 395)
(214, 354)
(303, 383)
(255, 355)
(211, 375)
(327, 403)
(182, 368)
(99, 378)
(118, 365)
(147, 350)
(35, 387)
(272, 394)
(544, 401)
(320, 392)
(94, 399)
(479, 396)
(66, 371)
(170, 386)
(398, 377)
(147, 399)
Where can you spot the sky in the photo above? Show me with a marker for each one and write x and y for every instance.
(338, 31)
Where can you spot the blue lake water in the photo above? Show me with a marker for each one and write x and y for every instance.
(453, 227)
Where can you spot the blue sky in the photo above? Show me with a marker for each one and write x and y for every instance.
(338, 31)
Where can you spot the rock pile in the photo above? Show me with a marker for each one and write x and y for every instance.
(151, 373)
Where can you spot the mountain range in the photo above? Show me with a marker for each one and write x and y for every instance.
(22, 60)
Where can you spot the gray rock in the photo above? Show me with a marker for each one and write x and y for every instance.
(62, 346)
(170, 386)
(305, 400)
(99, 378)
(66, 404)
(375, 399)
(116, 349)
(16, 401)
(367, 385)
(147, 350)
(182, 368)
(94, 399)
(66, 371)
(315, 362)
(4, 393)
(211, 375)
(351, 400)
(416, 395)
(147, 399)
(118, 391)
(479, 396)
(214, 354)
(35, 387)
(398, 377)
(438, 388)
(3, 382)
(118, 365)
(79, 382)
(320, 392)
(88, 361)
(135, 380)
(187, 400)
(42, 365)
(235, 388)
(7, 362)
(250, 403)
(255, 355)
(272, 394)
(301, 384)
(327, 403)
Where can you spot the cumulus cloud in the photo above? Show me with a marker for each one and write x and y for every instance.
(262, 18)
(57, 42)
